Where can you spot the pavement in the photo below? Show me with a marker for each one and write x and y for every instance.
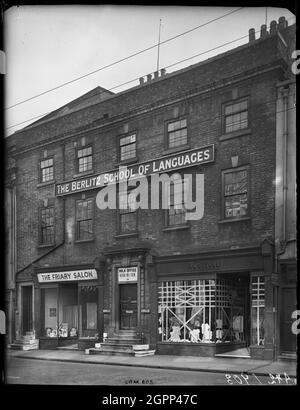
(192, 363)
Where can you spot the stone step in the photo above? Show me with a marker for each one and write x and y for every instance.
(117, 347)
(123, 341)
(143, 353)
(19, 346)
(287, 357)
(112, 352)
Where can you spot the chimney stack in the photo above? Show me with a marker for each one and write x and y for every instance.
(149, 77)
(162, 72)
(263, 31)
(142, 80)
(251, 35)
(273, 27)
(156, 74)
(282, 23)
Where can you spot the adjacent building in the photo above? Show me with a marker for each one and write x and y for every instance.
(227, 280)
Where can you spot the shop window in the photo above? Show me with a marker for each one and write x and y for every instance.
(88, 299)
(177, 133)
(128, 147)
(85, 159)
(127, 214)
(47, 170)
(236, 116)
(236, 193)
(258, 310)
(49, 317)
(84, 219)
(201, 311)
(47, 236)
(176, 212)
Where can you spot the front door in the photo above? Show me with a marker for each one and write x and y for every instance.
(26, 295)
(288, 341)
(128, 306)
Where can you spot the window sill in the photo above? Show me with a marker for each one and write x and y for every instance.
(83, 174)
(126, 235)
(45, 184)
(47, 245)
(235, 134)
(83, 240)
(126, 162)
(224, 221)
(176, 149)
(176, 228)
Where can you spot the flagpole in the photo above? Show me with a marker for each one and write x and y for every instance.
(157, 68)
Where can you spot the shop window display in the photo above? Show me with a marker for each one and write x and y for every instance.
(258, 310)
(201, 311)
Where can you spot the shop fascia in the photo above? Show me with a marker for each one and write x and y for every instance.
(168, 163)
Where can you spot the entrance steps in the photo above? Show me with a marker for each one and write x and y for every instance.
(287, 356)
(123, 344)
(27, 342)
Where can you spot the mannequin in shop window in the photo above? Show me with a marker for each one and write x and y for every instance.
(195, 332)
(175, 330)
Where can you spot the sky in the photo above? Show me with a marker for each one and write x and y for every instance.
(46, 46)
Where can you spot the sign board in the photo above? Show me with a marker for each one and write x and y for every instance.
(167, 163)
(85, 274)
(127, 274)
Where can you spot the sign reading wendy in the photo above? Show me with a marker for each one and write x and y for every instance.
(168, 163)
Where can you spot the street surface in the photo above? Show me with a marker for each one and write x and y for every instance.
(27, 371)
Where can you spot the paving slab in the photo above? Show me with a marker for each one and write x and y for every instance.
(194, 363)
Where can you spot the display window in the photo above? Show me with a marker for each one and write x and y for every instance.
(201, 311)
(70, 310)
(258, 310)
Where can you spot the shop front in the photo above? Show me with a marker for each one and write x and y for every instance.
(68, 308)
(214, 303)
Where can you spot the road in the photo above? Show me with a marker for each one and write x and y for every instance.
(27, 371)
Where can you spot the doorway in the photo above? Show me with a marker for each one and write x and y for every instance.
(128, 306)
(288, 340)
(27, 320)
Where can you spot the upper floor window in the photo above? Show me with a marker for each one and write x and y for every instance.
(47, 226)
(127, 214)
(128, 147)
(47, 170)
(84, 219)
(85, 159)
(236, 193)
(236, 116)
(176, 211)
(177, 133)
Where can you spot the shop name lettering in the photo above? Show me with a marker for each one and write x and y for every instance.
(204, 266)
(65, 276)
(170, 163)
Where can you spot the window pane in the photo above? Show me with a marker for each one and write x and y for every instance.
(201, 311)
(236, 116)
(127, 221)
(177, 133)
(84, 219)
(88, 299)
(258, 309)
(50, 315)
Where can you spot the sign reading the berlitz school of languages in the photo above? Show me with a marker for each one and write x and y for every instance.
(127, 274)
(168, 163)
(86, 274)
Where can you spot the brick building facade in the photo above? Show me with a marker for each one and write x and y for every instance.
(197, 287)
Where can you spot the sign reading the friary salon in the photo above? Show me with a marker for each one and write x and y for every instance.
(86, 274)
(127, 274)
(168, 163)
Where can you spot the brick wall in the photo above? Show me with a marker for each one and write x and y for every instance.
(203, 113)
